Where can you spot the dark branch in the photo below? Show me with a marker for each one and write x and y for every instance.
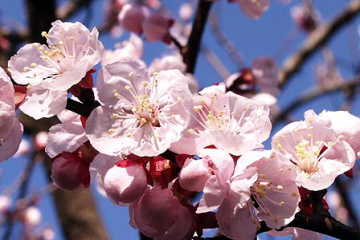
(342, 190)
(176, 43)
(191, 50)
(317, 39)
(325, 225)
(80, 108)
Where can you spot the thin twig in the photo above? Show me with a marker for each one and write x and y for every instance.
(312, 95)
(224, 41)
(176, 43)
(317, 39)
(215, 63)
(23, 189)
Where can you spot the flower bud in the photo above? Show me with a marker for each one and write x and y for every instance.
(125, 184)
(5, 203)
(132, 17)
(32, 216)
(69, 171)
(156, 27)
(159, 214)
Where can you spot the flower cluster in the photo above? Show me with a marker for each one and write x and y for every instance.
(152, 142)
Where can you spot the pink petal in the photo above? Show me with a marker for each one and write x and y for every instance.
(125, 185)
(236, 223)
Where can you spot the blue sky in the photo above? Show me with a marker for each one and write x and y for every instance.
(253, 38)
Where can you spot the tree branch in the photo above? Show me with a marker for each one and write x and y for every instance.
(77, 212)
(316, 40)
(191, 50)
(80, 108)
(23, 189)
(312, 95)
(342, 190)
(324, 224)
(224, 42)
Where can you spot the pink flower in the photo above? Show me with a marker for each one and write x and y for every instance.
(345, 125)
(67, 136)
(153, 3)
(156, 27)
(71, 51)
(316, 151)
(31, 216)
(123, 180)
(268, 100)
(212, 174)
(168, 62)
(40, 102)
(111, 11)
(50, 70)
(129, 50)
(11, 129)
(253, 8)
(159, 214)
(173, 61)
(307, 19)
(5, 203)
(141, 114)
(267, 75)
(186, 11)
(214, 163)
(259, 176)
(132, 17)
(230, 122)
(271, 183)
(327, 74)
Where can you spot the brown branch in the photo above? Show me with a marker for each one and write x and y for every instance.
(176, 43)
(23, 189)
(342, 190)
(223, 41)
(324, 224)
(80, 108)
(191, 50)
(317, 39)
(312, 95)
(77, 212)
(71, 8)
(215, 63)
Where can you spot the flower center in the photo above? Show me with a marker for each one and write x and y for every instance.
(145, 111)
(308, 155)
(209, 118)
